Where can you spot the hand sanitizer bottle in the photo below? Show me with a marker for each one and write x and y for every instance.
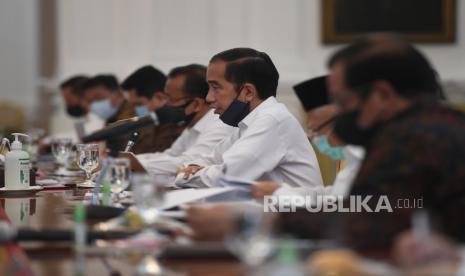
(17, 166)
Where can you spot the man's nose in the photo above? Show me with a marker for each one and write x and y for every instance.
(210, 98)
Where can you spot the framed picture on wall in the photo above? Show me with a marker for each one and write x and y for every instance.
(424, 21)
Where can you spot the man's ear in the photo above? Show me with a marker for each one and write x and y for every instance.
(250, 92)
(196, 104)
(158, 100)
(384, 90)
(160, 96)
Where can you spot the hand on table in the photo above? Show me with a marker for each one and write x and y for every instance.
(264, 188)
(210, 223)
(189, 170)
(412, 254)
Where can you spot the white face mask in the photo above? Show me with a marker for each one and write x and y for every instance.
(103, 109)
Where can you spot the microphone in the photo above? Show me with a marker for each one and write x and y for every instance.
(164, 115)
(122, 127)
(132, 141)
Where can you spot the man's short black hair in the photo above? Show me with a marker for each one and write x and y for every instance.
(387, 57)
(109, 82)
(75, 83)
(195, 83)
(249, 65)
(145, 81)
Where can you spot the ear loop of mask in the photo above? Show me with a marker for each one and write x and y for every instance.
(239, 91)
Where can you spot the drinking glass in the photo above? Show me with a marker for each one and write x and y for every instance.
(118, 175)
(87, 160)
(35, 134)
(61, 148)
(252, 241)
(148, 192)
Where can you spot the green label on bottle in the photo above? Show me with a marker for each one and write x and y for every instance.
(24, 172)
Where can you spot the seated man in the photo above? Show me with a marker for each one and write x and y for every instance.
(321, 113)
(267, 143)
(187, 88)
(387, 91)
(71, 90)
(103, 96)
(71, 97)
(145, 90)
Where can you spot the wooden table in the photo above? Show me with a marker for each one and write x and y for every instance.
(45, 210)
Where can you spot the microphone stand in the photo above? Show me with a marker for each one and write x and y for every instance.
(132, 141)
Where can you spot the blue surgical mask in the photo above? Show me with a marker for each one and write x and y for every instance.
(103, 109)
(142, 110)
(322, 144)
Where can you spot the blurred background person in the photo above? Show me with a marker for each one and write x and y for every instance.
(103, 97)
(145, 92)
(72, 92)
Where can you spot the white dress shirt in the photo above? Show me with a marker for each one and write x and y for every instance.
(342, 183)
(268, 144)
(191, 144)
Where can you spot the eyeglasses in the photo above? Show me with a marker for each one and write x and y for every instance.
(312, 132)
(353, 96)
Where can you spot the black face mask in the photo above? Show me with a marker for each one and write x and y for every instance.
(75, 111)
(188, 119)
(235, 112)
(347, 129)
(175, 115)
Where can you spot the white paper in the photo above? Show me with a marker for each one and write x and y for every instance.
(228, 181)
(176, 198)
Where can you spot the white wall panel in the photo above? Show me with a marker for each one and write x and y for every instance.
(120, 35)
(18, 52)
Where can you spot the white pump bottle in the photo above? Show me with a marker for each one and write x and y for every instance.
(17, 166)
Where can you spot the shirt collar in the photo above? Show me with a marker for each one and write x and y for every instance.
(251, 116)
(204, 122)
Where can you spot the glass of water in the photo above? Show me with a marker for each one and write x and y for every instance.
(119, 174)
(35, 135)
(61, 148)
(253, 242)
(87, 160)
(148, 192)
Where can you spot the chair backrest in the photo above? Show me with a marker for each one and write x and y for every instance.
(328, 167)
(12, 118)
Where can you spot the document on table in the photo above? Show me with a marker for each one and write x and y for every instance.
(229, 181)
(179, 197)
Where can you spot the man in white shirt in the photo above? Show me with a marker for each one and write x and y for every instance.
(268, 143)
(187, 88)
